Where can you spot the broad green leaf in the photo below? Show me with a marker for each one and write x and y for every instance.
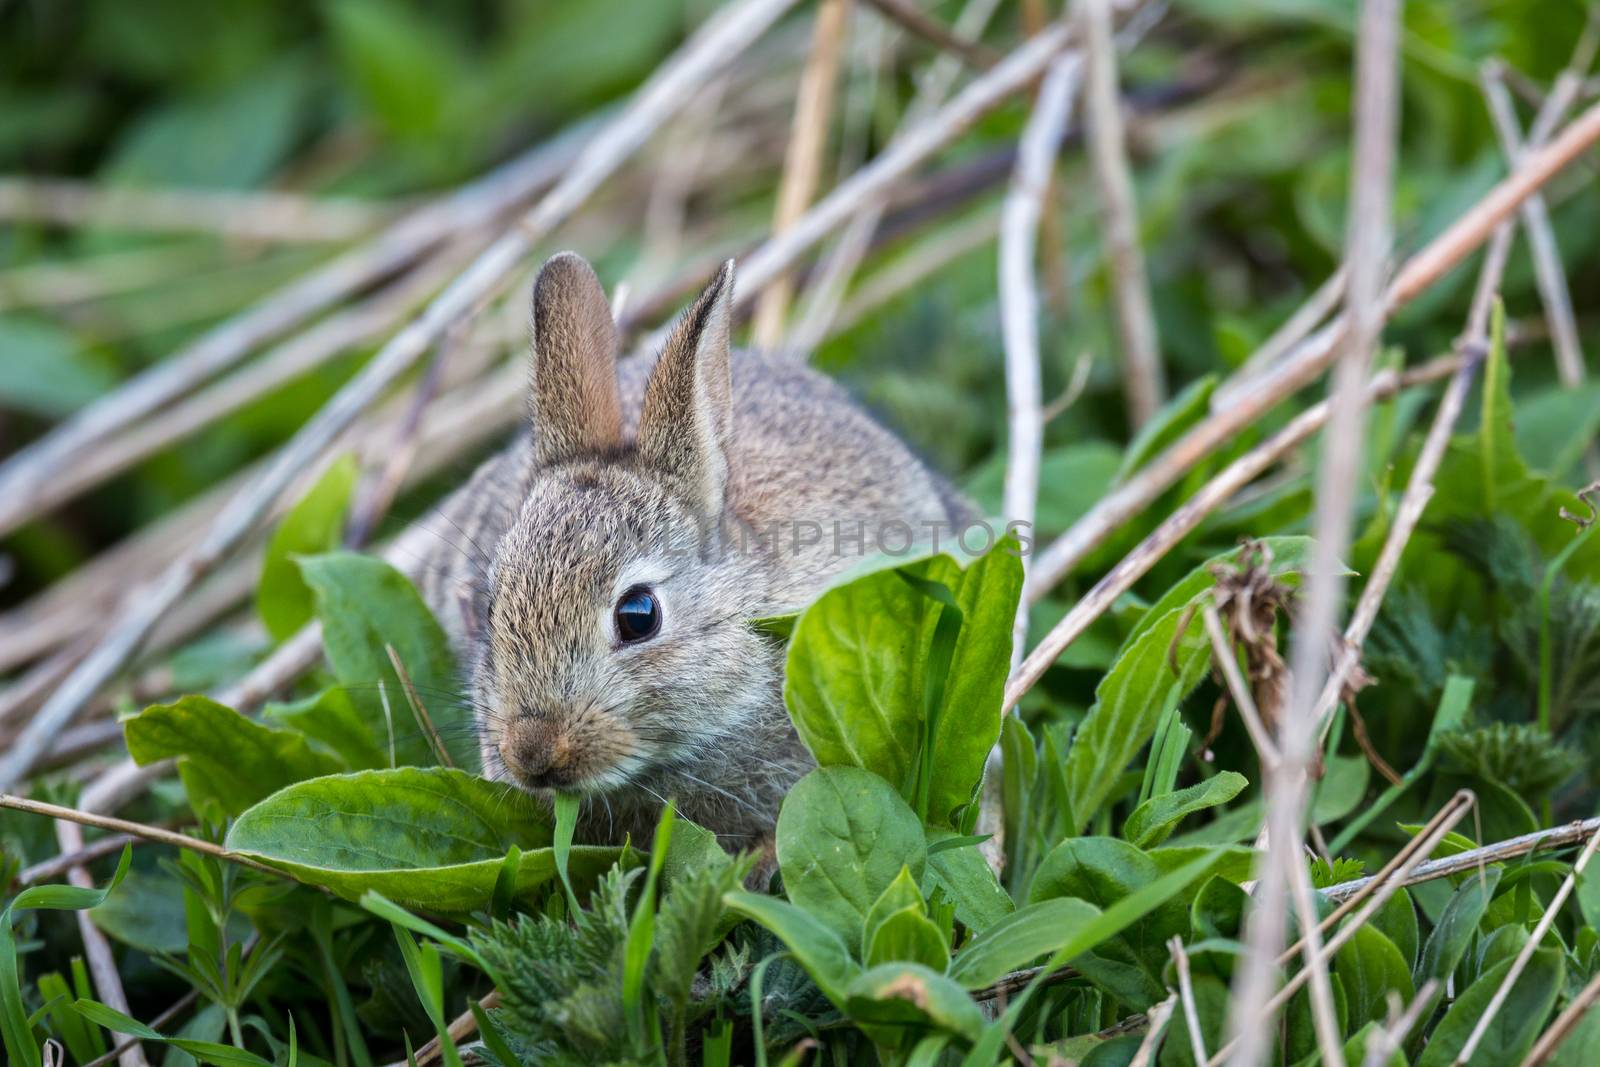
(1370, 966)
(432, 839)
(223, 756)
(1397, 920)
(313, 525)
(398, 60)
(818, 949)
(332, 720)
(968, 882)
(366, 605)
(1153, 821)
(843, 836)
(907, 936)
(908, 994)
(1129, 699)
(855, 677)
(1102, 871)
(1515, 1026)
(1015, 941)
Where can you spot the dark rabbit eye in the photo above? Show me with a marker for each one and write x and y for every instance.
(638, 614)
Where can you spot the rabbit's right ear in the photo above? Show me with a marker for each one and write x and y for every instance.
(573, 401)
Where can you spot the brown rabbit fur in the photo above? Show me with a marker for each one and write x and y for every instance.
(627, 473)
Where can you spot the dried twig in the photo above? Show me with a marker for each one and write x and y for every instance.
(1387, 1040)
(1551, 910)
(254, 216)
(1366, 253)
(1564, 1024)
(802, 163)
(1159, 1017)
(1223, 655)
(157, 834)
(1183, 521)
(1143, 375)
(471, 206)
(912, 19)
(461, 1027)
(1191, 1012)
(1419, 272)
(725, 36)
(97, 950)
(1019, 303)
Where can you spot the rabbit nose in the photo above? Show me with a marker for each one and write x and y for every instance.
(538, 752)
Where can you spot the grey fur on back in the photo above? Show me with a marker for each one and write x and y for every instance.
(528, 551)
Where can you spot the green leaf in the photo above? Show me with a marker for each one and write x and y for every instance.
(1457, 924)
(968, 882)
(1072, 478)
(204, 1051)
(283, 600)
(1129, 699)
(1370, 966)
(399, 61)
(45, 371)
(817, 949)
(1497, 444)
(1168, 424)
(222, 756)
(856, 672)
(843, 836)
(908, 994)
(898, 894)
(1515, 1026)
(1104, 870)
(15, 1032)
(432, 839)
(1018, 939)
(366, 605)
(332, 719)
(907, 936)
(1153, 821)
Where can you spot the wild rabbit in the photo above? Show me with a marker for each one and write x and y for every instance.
(608, 630)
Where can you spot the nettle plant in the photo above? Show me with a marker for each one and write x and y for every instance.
(352, 885)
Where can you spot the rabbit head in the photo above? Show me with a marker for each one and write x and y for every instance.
(615, 653)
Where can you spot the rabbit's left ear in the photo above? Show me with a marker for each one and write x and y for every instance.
(686, 422)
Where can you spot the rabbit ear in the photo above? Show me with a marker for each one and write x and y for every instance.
(688, 406)
(573, 400)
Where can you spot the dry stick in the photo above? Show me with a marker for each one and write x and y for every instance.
(258, 216)
(1565, 1023)
(1457, 808)
(460, 1028)
(1222, 486)
(961, 45)
(471, 206)
(1019, 302)
(1159, 1016)
(1323, 1013)
(1419, 272)
(1474, 347)
(1549, 274)
(1385, 1043)
(823, 295)
(802, 163)
(1296, 328)
(1143, 376)
(1338, 475)
(726, 35)
(102, 964)
(904, 154)
(299, 355)
(1471, 859)
(1191, 1013)
(1226, 659)
(1419, 491)
(1540, 929)
(157, 834)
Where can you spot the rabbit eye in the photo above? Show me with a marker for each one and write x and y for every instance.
(638, 615)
